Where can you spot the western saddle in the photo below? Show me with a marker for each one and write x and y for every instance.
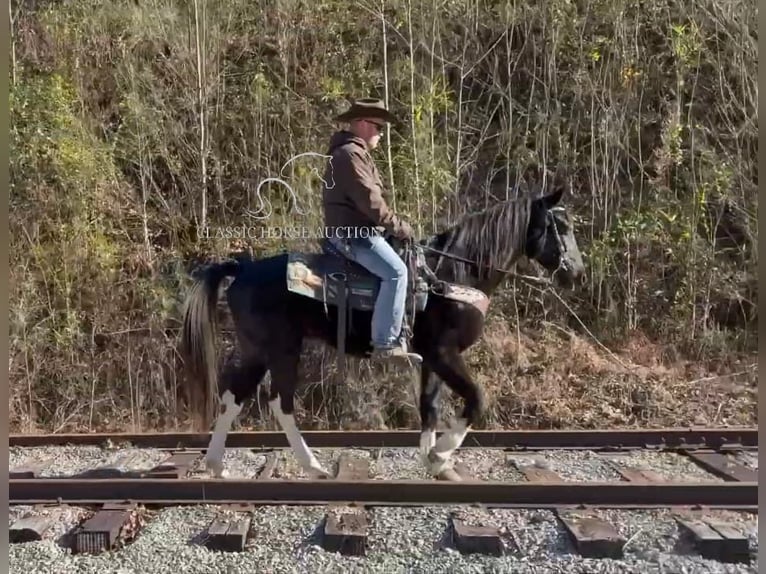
(334, 279)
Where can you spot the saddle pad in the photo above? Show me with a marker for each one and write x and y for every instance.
(301, 279)
(321, 276)
(464, 294)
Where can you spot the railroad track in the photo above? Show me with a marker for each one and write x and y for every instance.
(700, 476)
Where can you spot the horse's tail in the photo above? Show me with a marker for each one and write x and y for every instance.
(197, 344)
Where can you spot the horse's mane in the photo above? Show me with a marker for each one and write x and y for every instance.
(492, 238)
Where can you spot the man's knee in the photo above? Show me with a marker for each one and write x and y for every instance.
(394, 274)
(400, 271)
(387, 265)
(395, 267)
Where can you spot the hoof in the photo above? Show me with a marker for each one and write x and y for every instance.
(427, 442)
(449, 474)
(437, 464)
(216, 469)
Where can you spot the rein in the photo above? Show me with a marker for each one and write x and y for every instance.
(475, 263)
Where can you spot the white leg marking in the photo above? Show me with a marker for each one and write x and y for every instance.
(448, 443)
(427, 442)
(214, 456)
(302, 452)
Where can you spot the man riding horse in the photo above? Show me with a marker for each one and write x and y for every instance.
(356, 212)
(272, 317)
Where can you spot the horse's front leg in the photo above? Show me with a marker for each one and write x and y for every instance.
(451, 368)
(429, 396)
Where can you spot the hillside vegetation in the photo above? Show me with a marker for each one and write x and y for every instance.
(134, 125)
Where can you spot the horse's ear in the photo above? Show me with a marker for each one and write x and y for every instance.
(554, 197)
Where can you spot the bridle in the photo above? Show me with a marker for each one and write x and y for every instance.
(565, 262)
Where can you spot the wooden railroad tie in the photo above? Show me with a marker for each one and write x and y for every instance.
(592, 536)
(722, 466)
(29, 528)
(632, 474)
(470, 532)
(35, 524)
(715, 540)
(177, 465)
(345, 527)
(468, 538)
(540, 474)
(113, 470)
(102, 531)
(29, 470)
(228, 533)
(270, 466)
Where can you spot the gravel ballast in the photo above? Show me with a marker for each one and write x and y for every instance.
(385, 463)
(59, 460)
(406, 539)
(286, 539)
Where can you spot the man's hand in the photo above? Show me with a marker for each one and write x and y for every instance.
(404, 231)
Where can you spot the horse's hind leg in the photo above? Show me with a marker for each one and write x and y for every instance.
(452, 370)
(284, 379)
(241, 383)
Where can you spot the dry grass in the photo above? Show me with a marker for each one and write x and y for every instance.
(559, 379)
(550, 378)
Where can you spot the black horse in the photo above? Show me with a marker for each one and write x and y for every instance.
(272, 322)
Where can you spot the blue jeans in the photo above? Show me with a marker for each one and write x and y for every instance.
(378, 257)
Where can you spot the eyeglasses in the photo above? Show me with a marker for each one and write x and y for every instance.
(378, 126)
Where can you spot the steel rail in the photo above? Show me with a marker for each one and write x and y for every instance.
(390, 492)
(663, 438)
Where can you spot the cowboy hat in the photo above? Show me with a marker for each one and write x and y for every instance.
(366, 108)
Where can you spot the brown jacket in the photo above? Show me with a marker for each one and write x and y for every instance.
(353, 194)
